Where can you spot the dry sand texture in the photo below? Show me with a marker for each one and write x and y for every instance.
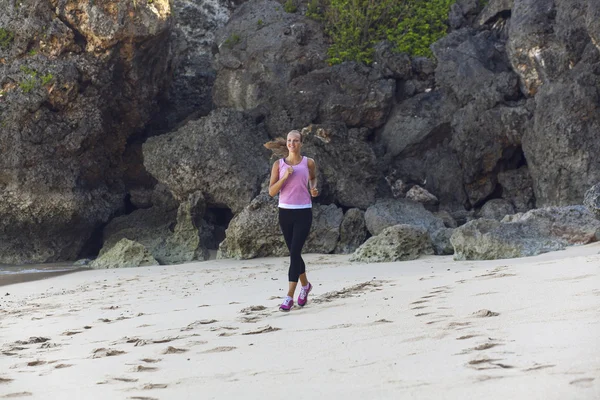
(426, 329)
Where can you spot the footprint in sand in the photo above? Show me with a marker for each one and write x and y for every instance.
(35, 363)
(351, 291)
(485, 313)
(487, 363)
(102, 352)
(583, 382)
(5, 380)
(538, 367)
(15, 395)
(61, 366)
(71, 333)
(142, 398)
(174, 350)
(196, 324)
(466, 337)
(143, 368)
(151, 386)
(264, 329)
(151, 360)
(124, 379)
(220, 349)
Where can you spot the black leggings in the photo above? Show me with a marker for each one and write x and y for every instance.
(295, 225)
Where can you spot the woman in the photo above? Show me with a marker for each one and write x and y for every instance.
(291, 177)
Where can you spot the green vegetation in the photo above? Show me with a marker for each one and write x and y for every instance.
(6, 38)
(290, 6)
(46, 79)
(33, 80)
(28, 84)
(232, 40)
(314, 10)
(31, 72)
(32, 52)
(355, 26)
(260, 23)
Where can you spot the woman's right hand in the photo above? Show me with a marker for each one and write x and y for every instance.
(288, 172)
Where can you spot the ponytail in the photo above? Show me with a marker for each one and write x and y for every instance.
(279, 146)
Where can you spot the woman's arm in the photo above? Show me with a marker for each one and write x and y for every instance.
(275, 183)
(312, 177)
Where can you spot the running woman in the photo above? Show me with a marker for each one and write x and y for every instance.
(294, 178)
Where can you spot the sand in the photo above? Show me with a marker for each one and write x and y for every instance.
(432, 328)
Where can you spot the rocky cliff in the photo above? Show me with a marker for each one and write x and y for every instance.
(109, 107)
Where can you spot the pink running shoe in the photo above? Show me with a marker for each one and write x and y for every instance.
(287, 304)
(303, 296)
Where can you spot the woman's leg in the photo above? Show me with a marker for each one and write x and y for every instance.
(302, 226)
(295, 226)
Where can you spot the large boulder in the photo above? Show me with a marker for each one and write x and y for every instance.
(517, 187)
(124, 254)
(395, 243)
(78, 78)
(521, 235)
(274, 63)
(171, 235)
(592, 200)
(353, 231)
(255, 231)
(496, 209)
(390, 212)
(553, 46)
(195, 23)
(221, 155)
(416, 139)
(347, 168)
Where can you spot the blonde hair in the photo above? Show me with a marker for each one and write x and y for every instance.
(279, 145)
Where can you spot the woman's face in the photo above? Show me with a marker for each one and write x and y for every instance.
(294, 144)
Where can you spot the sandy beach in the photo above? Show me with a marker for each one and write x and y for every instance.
(432, 328)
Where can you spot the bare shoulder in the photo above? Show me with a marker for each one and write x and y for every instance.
(311, 162)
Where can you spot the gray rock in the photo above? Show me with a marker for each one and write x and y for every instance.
(440, 240)
(420, 195)
(77, 80)
(485, 140)
(592, 200)
(171, 236)
(562, 147)
(496, 209)
(492, 10)
(520, 235)
(414, 121)
(325, 231)
(211, 156)
(389, 212)
(274, 64)
(473, 67)
(255, 231)
(392, 64)
(347, 169)
(353, 231)
(259, 55)
(395, 243)
(124, 254)
(447, 218)
(195, 23)
(572, 224)
(486, 239)
(517, 187)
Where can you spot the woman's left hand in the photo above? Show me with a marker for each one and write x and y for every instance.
(314, 192)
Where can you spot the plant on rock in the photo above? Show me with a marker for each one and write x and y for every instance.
(355, 26)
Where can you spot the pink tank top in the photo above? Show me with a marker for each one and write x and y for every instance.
(294, 193)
